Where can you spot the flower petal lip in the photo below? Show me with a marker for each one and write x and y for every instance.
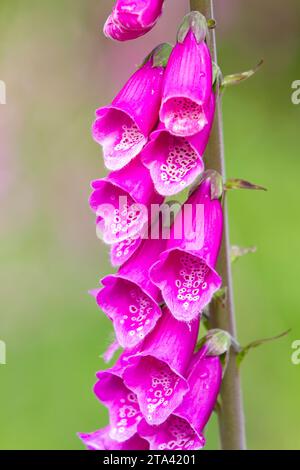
(124, 412)
(174, 434)
(185, 271)
(187, 87)
(119, 216)
(134, 313)
(187, 282)
(175, 162)
(100, 440)
(123, 127)
(130, 299)
(122, 202)
(164, 356)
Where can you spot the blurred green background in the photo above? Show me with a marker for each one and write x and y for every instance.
(58, 68)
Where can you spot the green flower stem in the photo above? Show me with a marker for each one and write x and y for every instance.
(231, 415)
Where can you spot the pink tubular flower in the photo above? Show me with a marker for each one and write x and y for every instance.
(131, 19)
(100, 440)
(183, 429)
(123, 127)
(130, 299)
(124, 412)
(185, 271)
(156, 372)
(175, 162)
(122, 201)
(188, 80)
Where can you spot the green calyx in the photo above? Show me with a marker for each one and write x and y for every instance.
(216, 183)
(195, 22)
(217, 342)
(160, 55)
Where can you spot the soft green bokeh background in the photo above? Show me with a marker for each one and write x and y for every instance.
(58, 68)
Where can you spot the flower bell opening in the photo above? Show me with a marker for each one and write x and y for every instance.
(119, 216)
(159, 391)
(133, 312)
(120, 138)
(187, 283)
(124, 412)
(174, 434)
(184, 117)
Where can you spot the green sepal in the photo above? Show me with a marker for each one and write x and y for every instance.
(160, 55)
(236, 78)
(195, 22)
(236, 183)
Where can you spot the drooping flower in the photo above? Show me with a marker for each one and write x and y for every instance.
(175, 162)
(100, 440)
(122, 202)
(131, 19)
(185, 271)
(122, 404)
(130, 299)
(123, 127)
(183, 429)
(156, 372)
(188, 80)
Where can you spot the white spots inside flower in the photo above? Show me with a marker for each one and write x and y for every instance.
(191, 281)
(163, 384)
(130, 137)
(186, 116)
(138, 312)
(127, 417)
(181, 159)
(122, 249)
(180, 435)
(124, 219)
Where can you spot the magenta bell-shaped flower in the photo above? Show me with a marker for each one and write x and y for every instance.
(183, 429)
(100, 440)
(185, 271)
(175, 162)
(131, 19)
(188, 80)
(130, 299)
(156, 372)
(122, 201)
(123, 127)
